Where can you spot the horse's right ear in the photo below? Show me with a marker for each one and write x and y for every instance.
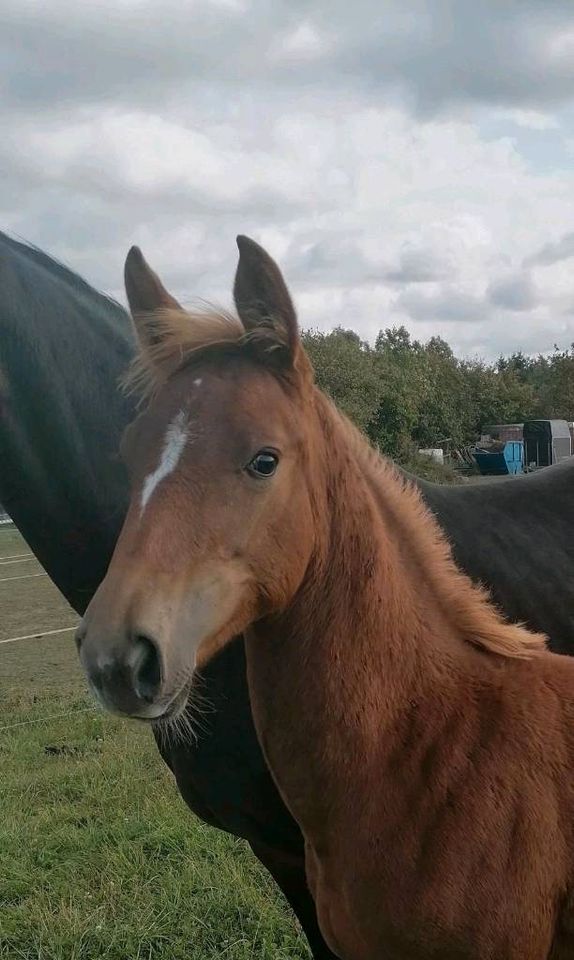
(146, 296)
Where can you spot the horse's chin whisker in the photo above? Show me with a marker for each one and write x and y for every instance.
(186, 722)
(177, 729)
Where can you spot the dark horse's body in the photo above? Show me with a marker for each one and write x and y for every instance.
(63, 347)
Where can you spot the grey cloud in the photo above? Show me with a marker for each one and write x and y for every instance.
(515, 292)
(416, 266)
(550, 253)
(450, 52)
(454, 51)
(340, 260)
(335, 260)
(128, 56)
(446, 304)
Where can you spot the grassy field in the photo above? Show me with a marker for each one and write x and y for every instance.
(99, 857)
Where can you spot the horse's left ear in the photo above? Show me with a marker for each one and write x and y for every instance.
(261, 295)
(146, 296)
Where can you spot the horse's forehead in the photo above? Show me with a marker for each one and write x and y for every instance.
(232, 403)
(239, 390)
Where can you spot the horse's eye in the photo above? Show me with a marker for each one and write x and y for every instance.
(264, 464)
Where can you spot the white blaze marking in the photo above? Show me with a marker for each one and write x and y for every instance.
(173, 444)
(197, 382)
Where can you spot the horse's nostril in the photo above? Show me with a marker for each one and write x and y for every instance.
(147, 668)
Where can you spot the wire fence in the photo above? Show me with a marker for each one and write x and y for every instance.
(42, 633)
(12, 560)
(5, 524)
(28, 576)
(53, 716)
(39, 635)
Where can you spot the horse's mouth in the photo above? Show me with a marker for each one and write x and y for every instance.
(173, 710)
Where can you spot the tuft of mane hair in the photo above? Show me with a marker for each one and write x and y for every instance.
(170, 338)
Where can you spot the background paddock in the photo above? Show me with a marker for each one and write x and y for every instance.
(99, 857)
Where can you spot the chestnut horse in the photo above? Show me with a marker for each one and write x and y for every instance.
(423, 744)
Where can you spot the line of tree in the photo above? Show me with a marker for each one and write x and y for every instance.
(405, 394)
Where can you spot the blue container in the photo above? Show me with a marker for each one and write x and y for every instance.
(502, 460)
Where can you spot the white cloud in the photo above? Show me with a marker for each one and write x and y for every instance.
(528, 119)
(305, 42)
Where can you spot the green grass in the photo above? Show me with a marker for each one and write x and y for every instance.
(99, 856)
(11, 541)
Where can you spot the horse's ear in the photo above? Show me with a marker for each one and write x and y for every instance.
(146, 296)
(261, 295)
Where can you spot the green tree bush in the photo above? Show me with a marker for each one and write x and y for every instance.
(405, 394)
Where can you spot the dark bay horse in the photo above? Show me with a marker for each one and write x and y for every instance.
(63, 348)
(423, 743)
(61, 416)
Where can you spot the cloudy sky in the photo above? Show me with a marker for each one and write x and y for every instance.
(406, 162)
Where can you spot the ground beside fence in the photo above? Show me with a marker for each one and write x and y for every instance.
(99, 857)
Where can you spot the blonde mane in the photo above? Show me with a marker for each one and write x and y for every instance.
(170, 337)
(466, 605)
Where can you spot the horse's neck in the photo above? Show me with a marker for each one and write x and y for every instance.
(359, 642)
(372, 631)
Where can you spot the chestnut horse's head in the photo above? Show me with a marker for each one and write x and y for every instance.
(219, 531)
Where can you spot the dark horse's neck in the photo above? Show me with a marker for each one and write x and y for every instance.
(64, 346)
(383, 620)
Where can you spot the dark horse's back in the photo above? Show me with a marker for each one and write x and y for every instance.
(63, 347)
